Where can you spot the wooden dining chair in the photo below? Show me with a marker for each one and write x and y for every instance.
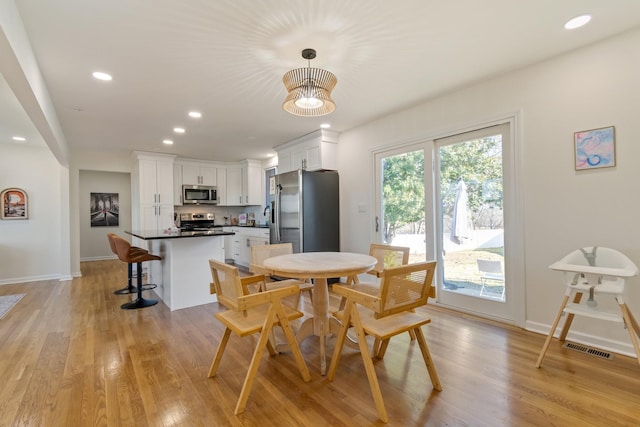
(388, 256)
(261, 252)
(384, 315)
(248, 314)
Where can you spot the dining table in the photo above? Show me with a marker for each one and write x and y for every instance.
(319, 267)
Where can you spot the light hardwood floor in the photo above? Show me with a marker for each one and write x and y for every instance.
(69, 356)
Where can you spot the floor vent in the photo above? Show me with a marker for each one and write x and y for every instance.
(588, 350)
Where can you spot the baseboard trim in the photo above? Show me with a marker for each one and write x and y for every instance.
(98, 258)
(614, 346)
(29, 279)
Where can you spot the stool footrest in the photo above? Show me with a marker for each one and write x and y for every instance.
(134, 289)
(138, 303)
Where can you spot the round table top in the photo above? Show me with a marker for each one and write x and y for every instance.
(310, 265)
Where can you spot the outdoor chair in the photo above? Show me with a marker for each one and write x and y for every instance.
(248, 314)
(384, 315)
(490, 270)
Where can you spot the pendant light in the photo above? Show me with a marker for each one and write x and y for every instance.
(309, 89)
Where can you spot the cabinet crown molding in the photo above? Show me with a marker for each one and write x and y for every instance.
(324, 135)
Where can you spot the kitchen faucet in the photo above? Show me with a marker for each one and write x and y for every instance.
(264, 212)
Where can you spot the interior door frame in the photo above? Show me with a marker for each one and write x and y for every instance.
(513, 216)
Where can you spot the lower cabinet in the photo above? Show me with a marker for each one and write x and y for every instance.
(238, 246)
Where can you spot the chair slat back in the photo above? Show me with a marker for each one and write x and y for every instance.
(404, 288)
(388, 256)
(261, 252)
(226, 284)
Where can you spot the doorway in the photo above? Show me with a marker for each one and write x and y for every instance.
(468, 220)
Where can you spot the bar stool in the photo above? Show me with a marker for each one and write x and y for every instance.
(130, 255)
(129, 289)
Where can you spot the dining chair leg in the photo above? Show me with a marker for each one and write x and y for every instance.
(340, 339)
(219, 352)
(293, 344)
(255, 361)
(382, 349)
(376, 347)
(368, 365)
(426, 355)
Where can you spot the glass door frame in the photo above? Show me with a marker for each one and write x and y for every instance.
(513, 212)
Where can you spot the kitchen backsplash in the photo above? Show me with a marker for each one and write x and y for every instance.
(229, 212)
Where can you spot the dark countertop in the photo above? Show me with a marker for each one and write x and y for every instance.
(155, 235)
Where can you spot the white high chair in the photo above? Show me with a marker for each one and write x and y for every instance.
(594, 271)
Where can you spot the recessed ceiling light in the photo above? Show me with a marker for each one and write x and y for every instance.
(325, 126)
(577, 22)
(167, 141)
(195, 114)
(101, 76)
(19, 138)
(178, 130)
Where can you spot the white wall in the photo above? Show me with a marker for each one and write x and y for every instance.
(93, 240)
(30, 249)
(564, 209)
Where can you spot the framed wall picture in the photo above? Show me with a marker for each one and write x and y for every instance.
(104, 210)
(595, 148)
(15, 204)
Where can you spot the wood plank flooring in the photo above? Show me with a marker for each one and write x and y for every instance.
(69, 356)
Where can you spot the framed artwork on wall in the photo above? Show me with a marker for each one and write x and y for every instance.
(104, 210)
(15, 204)
(595, 148)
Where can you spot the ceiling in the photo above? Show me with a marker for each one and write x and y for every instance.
(226, 59)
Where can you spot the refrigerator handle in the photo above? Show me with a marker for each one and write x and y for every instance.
(277, 212)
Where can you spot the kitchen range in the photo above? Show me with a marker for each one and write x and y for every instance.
(197, 221)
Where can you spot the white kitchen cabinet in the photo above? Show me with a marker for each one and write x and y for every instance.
(243, 184)
(221, 179)
(198, 174)
(252, 188)
(315, 151)
(241, 243)
(152, 191)
(177, 185)
(234, 186)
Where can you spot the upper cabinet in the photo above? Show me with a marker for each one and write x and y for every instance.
(315, 151)
(243, 184)
(152, 191)
(198, 174)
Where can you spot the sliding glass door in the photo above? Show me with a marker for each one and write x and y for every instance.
(448, 199)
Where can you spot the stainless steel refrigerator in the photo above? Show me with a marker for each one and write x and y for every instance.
(305, 210)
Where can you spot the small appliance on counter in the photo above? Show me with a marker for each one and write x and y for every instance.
(251, 219)
(197, 221)
(242, 219)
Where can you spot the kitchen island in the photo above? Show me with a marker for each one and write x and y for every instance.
(183, 276)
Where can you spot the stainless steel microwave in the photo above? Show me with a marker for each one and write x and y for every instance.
(199, 195)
